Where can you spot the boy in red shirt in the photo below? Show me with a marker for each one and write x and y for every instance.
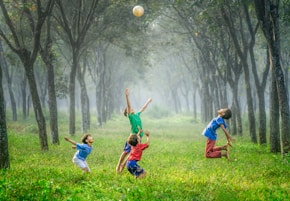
(136, 154)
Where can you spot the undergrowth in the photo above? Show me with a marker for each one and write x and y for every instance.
(175, 165)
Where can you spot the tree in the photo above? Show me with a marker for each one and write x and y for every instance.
(267, 12)
(75, 19)
(241, 48)
(85, 103)
(34, 15)
(4, 153)
(48, 57)
(9, 77)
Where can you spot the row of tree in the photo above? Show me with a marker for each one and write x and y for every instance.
(76, 41)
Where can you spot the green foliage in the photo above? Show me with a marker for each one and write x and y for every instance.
(175, 165)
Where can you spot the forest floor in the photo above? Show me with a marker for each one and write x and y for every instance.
(175, 165)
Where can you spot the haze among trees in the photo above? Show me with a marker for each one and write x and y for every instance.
(191, 57)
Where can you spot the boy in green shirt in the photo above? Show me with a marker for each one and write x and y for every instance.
(136, 124)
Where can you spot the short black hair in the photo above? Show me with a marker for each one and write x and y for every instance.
(84, 138)
(133, 140)
(228, 114)
(125, 112)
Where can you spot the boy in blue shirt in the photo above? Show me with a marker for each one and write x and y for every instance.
(83, 150)
(212, 151)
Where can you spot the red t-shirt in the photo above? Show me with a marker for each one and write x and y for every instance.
(136, 152)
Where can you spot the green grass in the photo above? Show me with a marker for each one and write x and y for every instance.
(175, 165)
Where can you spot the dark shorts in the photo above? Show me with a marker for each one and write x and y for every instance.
(127, 147)
(134, 168)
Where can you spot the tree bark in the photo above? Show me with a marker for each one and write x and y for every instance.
(242, 53)
(36, 101)
(4, 152)
(274, 114)
(76, 30)
(268, 15)
(24, 98)
(85, 104)
(28, 57)
(9, 80)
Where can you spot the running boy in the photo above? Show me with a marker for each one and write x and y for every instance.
(136, 154)
(212, 151)
(136, 124)
(83, 150)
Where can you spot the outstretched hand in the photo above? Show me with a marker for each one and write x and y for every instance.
(147, 133)
(127, 92)
(229, 141)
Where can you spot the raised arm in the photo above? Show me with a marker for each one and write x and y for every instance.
(146, 104)
(128, 101)
(147, 133)
(69, 140)
(228, 136)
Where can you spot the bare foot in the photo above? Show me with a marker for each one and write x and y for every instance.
(122, 166)
(229, 143)
(141, 175)
(225, 147)
(228, 155)
(118, 169)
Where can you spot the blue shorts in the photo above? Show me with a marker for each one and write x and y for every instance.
(127, 147)
(134, 168)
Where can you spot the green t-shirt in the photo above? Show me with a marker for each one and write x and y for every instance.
(136, 123)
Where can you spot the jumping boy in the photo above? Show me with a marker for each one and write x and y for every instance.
(136, 124)
(212, 151)
(136, 154)
(83, 150)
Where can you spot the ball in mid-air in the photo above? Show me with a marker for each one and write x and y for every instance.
(138, 11)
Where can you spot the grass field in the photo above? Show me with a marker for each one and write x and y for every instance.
(175, 165)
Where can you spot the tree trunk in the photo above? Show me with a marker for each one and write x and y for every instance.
(274, 115)
(52, 104)
(4, 153)
(23, 96)
(85, 104)
(76, 29)
(268, 15)
(36, 104)
(9, 80)
(72, 110)
(242, 53)
(48, 57)
(236, 111)
(251, 114)
(283, 102)
(260, 87)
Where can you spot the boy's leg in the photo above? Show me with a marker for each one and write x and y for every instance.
(219, 148)
(211, 151)
(141, 175)
(121, 162)
(135, 169)
(123, 159)
(86, 170)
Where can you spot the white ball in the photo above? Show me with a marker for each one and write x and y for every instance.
(138, 11)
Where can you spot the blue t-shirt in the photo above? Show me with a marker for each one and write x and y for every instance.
(210, 130)
(83, 151)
